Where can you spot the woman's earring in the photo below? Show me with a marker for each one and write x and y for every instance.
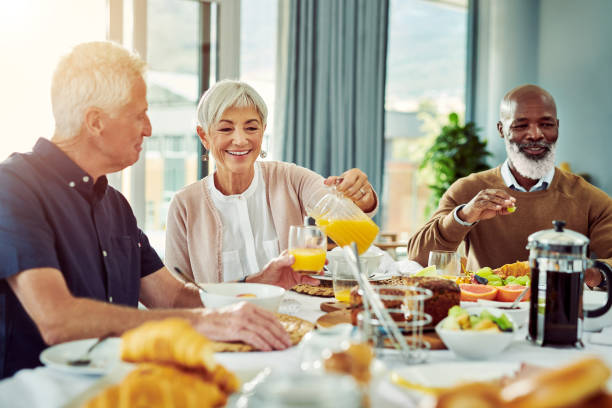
(205, 156)
(263, 154)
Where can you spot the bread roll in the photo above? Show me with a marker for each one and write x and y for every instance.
(560, 387)
(152, 386)
(170, 341)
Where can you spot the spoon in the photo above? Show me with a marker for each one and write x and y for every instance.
(84, 360)
(188, 279)
(520, 297)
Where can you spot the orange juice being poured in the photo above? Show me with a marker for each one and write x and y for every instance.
(343, 221)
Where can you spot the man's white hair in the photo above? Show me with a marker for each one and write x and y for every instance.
(227, 94)
(528, 167)
(97, 74)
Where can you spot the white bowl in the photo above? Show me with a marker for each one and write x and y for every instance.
(223, 294)
(593, 300)
(474, 344)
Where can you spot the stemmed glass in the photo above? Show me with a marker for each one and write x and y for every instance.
(446, 262)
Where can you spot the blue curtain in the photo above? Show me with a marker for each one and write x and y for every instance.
(332, 106)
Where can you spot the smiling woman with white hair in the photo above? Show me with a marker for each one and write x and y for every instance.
(229, 225)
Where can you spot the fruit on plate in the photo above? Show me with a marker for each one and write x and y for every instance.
(429, 271)
(471, 292)
(516, 273)
(508, 293)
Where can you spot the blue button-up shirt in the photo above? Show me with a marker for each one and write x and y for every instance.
(53, 215)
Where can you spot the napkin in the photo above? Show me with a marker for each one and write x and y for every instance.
(604, 338)
(408, 267)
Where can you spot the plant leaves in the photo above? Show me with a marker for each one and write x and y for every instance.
(456, 152)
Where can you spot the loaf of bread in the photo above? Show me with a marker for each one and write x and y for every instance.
(153, 385)
(445, 294)
(169, 341)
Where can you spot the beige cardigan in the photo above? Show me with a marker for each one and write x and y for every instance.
(194, 233)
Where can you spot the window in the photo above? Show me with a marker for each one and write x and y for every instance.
(258, 27)
(34, 34)
(426, 71)
(174, 78)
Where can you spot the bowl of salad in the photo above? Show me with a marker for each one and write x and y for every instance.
(476, 333)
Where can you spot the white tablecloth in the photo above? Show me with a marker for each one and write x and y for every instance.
(47, 387)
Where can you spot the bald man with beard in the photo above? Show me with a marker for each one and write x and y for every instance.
(475, 209)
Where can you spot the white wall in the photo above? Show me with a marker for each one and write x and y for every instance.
(565, 46)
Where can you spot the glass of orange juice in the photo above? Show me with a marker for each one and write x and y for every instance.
(343, 278)
(308, 245)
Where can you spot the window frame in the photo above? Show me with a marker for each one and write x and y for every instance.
(127, 25)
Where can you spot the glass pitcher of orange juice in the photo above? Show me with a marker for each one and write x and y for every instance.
(343, 221)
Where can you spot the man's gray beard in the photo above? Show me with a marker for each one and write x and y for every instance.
(527, 167)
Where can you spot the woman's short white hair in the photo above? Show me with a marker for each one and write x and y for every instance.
(97, 74)
(227, 94)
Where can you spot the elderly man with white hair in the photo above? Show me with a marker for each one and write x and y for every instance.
(229, 225)
(479, 209)
(73, 262)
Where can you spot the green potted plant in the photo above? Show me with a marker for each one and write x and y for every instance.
(456, 152)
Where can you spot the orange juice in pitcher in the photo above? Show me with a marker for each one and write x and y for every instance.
(341, 220)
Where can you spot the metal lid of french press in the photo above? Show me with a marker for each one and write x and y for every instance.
(558, 239)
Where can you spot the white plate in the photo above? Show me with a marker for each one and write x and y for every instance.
(103, 358)
(375, 277)
(451, 373)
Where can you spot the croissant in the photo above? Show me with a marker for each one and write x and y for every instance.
(170, 341)
(519, 268)
(152, 386)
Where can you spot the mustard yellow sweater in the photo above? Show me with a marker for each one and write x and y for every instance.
(501, 240)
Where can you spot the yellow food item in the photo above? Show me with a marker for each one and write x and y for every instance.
(177, 370)
(343, 295)
(519, 268)
(403, 382)
(246, 295)
(511, 209)
(169, 341)
(354, 361)
(486, 325)
(308, 259)
(343, 232)
(458, 279)
(152, 385)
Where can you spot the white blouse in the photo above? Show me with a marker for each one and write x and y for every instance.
(249, 237)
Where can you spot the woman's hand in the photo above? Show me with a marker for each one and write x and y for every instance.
(279, 272)
(354, 184)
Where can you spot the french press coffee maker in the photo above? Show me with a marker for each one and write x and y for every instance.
(558, 259)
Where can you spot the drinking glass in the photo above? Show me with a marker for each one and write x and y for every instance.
(446, 262)
(343, 279)
(308, 245)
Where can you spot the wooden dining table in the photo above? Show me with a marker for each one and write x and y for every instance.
(49, 387)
